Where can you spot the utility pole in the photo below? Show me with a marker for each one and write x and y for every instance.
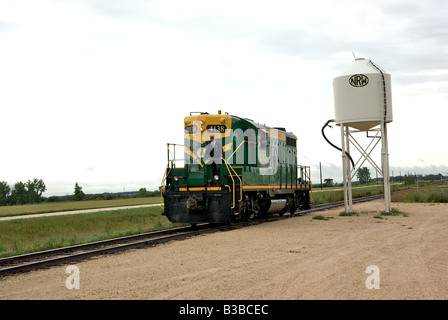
(320, 167)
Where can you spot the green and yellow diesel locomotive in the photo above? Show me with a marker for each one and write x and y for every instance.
(233, 168)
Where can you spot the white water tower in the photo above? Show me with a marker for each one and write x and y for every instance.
(363, 103)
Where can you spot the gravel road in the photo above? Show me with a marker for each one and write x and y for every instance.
(358, 257)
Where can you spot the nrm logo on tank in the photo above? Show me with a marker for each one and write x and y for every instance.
(358, 80)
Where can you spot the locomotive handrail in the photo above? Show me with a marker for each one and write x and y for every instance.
(195, 157)
(162, 186)
(235, 150)
(169, 152)
(293, 171)
(233, 182)
(241, 183)
(173, 157)
(306, 171)
(167, 172)
(168, 167)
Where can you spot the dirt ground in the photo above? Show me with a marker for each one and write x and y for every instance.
(297, 258)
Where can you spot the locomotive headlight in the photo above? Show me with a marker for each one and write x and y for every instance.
(216, 177)
(176, 178)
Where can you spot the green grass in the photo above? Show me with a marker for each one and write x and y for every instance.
(428, 194)
(337, 194)
(394, 212)
(72, 205)
(348, 214)
(28, 235)
(319, 217)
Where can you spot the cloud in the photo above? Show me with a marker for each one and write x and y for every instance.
(94, 89)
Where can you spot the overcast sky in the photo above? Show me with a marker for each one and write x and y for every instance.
(91, 90)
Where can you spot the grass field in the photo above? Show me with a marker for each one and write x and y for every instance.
(29, 235)
(337, 194)
(427, 194)
(72, 205)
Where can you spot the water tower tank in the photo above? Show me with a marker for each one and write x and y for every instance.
(362, 96)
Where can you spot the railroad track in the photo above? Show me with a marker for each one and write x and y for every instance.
(43, 259)
(48, 258)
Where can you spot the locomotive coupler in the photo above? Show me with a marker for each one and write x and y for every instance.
(192, 203)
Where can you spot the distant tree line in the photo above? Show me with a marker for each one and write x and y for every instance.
(364, 177)
(79, 195)
(31, 192)
(22, 193)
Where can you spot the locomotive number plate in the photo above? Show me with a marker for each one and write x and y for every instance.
(191, 129)
(216, 128)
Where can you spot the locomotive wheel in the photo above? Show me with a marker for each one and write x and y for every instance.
(252, 208)
(300, 203)
(292, 205)
(247, 216)
(243, 211)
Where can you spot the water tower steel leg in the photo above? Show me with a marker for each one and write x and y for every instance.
(385, 165)
(349, 171)
(344, 167)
